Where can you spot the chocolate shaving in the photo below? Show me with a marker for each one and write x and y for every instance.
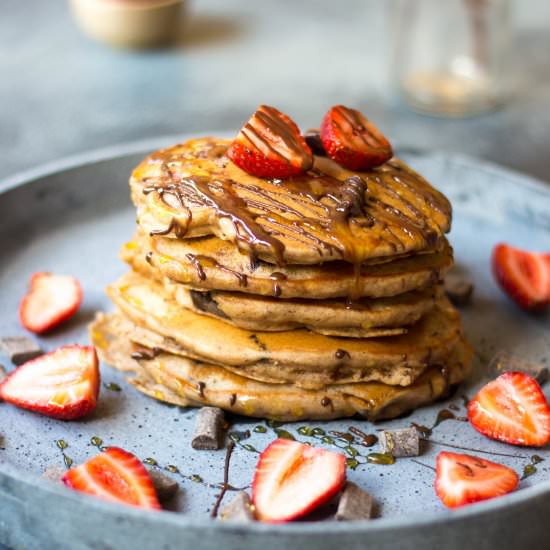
(240, 509)
(164, 485)
(209, 425)
(504, 362)
(355, 504)
(399, 443)
(458, 289)
(19, 349)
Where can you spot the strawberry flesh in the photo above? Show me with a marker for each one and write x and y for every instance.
(62, 384)
(352, 141)
(463, 479)
(513, 409)
(523, 275)
(114, 475)
(270, 145)
(51, 300)
(292, 479)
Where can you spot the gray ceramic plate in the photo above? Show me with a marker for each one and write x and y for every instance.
(71, 217)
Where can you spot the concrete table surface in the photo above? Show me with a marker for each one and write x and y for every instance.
(61, 93)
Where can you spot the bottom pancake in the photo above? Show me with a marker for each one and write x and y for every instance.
(188, 382)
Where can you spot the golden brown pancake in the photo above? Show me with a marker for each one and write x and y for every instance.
(367, 318)
(212, 264)
(147, 305)
(187, 382)
(326, 214)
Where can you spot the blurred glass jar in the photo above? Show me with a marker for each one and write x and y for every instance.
(451, 57)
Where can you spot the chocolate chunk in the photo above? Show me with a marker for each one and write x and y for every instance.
(19, 349)
(209, 425)
(164, 485)
(53, 473)
(404, 442)
(239, 509)
(355, 504)
(203, 301)
(458, 288)
(504, 362)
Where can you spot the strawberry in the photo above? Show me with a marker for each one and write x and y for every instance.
(292, 479)
(115, 475)
(463, 479)
(62, 384)
(270, 145)
(51, 300)
(513, 409)
(524, 276)
(353, 141)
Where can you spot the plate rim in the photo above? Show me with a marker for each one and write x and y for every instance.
(182, 521)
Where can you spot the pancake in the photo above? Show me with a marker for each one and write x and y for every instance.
(326, 214)
(187, 382)
(212, 264)
(148, 305)
(366, 319)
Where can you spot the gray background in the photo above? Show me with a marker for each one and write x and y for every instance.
(61, 93)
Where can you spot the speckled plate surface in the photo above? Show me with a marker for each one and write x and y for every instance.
(72, 216)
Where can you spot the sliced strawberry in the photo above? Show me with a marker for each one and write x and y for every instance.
(353, 141)
(292, 479)
(51, 300)
(463, 479)
(513, 409)
(524, 276)
(115, 475)
(270, 145)
(62, 384)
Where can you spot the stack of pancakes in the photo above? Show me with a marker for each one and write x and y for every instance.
(313, 297)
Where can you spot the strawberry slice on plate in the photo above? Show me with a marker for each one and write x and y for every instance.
(270, 145)
(352, 141)
(51, 300)
(463, 479)
(512, 409)
(114, 475)
(523, 275)
(292, 479)
(62, 384)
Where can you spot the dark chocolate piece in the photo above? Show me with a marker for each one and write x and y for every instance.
(355, 504)
(164, 485)
(403, 442)
(209, 425)
(458, 289)
(19, 349)
(504, 362)
(239, 509)
(54, 473)
(203, 301)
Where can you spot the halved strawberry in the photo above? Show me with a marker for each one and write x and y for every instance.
(62, 384)
(292, 479)
(51, 300)
(270, 145)
(513, 409)
(523, 275)
(464, 479)
(353, 141)
(115, 475)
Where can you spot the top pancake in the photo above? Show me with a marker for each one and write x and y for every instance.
(329, 213)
